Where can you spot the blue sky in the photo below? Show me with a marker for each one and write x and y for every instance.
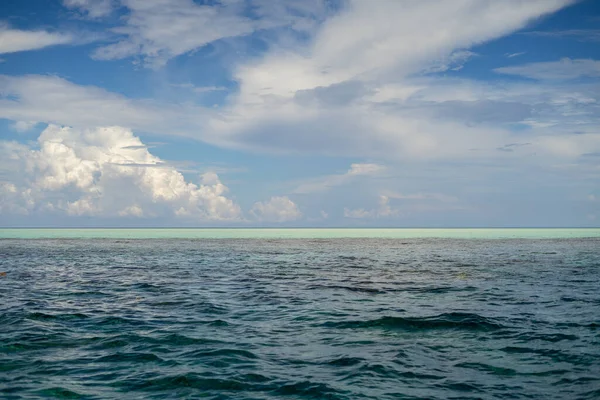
(395, 113)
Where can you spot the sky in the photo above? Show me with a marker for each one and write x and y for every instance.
(320, 113)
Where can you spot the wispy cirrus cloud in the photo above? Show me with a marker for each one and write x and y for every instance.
(324, 183)
(584, 35)
(15, 40)
(92, 8)
(564, 69)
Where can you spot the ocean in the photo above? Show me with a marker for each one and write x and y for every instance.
(300, 313)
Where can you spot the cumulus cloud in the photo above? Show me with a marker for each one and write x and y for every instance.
(276, 209)
(15, 40)
(564, 69)
(384, 210)
(105, 172)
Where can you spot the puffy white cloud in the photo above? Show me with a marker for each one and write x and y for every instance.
(15, 40)
(276, 209)
(564, 69)
(105, 172)
(384, 210)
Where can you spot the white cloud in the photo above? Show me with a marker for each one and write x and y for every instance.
(454, 62)
(365, 169)
(513, 55)
(408, 205)
(321, 96)
(421, 119)
(91, 8)
(24, 126)
(15, 40)
(384, 210)
(584, 35)
(277, 209)
(422, 196)
(199, 89)
(57, 101)
(373, 40)
(326, 182)
(571, 146)
(564, 69)
(105, 172)
(158, 30)
(358, 99)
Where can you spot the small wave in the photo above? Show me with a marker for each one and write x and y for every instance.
(357, 289)
(232, 353)
(488, 369)
(309, 389)
(583, 380)
(115, 321)
(435, 289)
(554, 355)
(460, 386)
(547, 337)
(463, 321)
(40, 316)
(129, 357)
(591, 325)
(60, 393)
(189, 380)
(345, 361)
(182, 340)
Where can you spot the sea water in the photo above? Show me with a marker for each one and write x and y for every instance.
(300, 314)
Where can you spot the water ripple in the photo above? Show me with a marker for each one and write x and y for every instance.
(300, 319)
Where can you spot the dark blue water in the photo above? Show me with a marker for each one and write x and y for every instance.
(300, 319)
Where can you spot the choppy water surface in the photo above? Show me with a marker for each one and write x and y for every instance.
(300, 318)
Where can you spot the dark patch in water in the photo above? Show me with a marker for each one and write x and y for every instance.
(460, 321)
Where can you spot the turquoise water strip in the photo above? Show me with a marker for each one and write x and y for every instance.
(298, 233)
